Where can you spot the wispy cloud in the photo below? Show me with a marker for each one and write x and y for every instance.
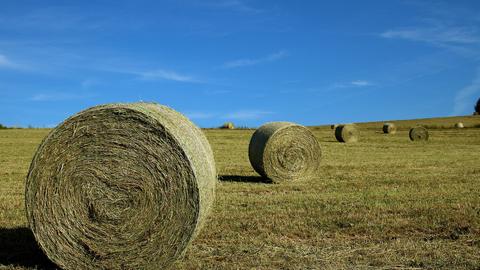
(255, 61)
(246, 114)
(152, 74)
(7, 63)
(43, 97)
(463, 40)
(161, 74)
(436, 35)
(236, 5)
(53, 18)
(465, 97)
(88, 83)
(361, 83)
(356, 83)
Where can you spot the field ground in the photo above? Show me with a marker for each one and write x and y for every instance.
(382, 203)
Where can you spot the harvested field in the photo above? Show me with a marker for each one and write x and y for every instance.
(381, 203)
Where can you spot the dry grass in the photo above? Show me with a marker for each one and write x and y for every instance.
(382, 203)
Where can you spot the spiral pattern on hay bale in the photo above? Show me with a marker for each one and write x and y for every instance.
(120, 186)
(347, 133)
(284, 151)
(418, 134)
(389, 128)
(459, 125)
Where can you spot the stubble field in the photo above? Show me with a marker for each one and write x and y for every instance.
(381, 203)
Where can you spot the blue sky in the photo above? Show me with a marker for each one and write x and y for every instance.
(311, 62)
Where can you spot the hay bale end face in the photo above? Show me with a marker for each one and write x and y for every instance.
(389, 128)
(347, 133)
(228, 125)
(283, 151)
(418, 134)
(459, 125)
(120, 186)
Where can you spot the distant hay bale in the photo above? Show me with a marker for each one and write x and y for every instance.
(459, 125)
(476, 113)
(418, 134)
(228, 125)
(334, 126)
(283, 151)
(347, 133)
(120, 186)
(389, 128)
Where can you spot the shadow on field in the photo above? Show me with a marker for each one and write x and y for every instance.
(245, 179)
(19, 248)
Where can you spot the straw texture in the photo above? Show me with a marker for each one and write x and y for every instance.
(283, 151)
(120, 186)
(389, 128)
(346, 133)
(228, 125)
(418, 134)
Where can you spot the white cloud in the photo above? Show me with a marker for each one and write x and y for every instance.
(246, 114)
(356, 83)
(466, 97)
(236, 5)
(361, 83)
(161, 74)
(88, 83)
(6, 63)
(461, 40)
(436, 35)
(148, 75)
(58, 96)
(250, 62)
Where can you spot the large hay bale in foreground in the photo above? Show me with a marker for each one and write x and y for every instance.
(418, 134)
(283, 151)
(459, 125)
(347, 133)
(120, 186)
(389, 128)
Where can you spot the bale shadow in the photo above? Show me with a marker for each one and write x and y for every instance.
(18, 248)
(244, 179)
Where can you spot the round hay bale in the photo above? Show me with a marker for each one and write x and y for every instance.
(120, 186)
(418, 134)
(347, 133)
(284, 151)
(476, 113)
(389, 128)
(459, 125)
(228, 125)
